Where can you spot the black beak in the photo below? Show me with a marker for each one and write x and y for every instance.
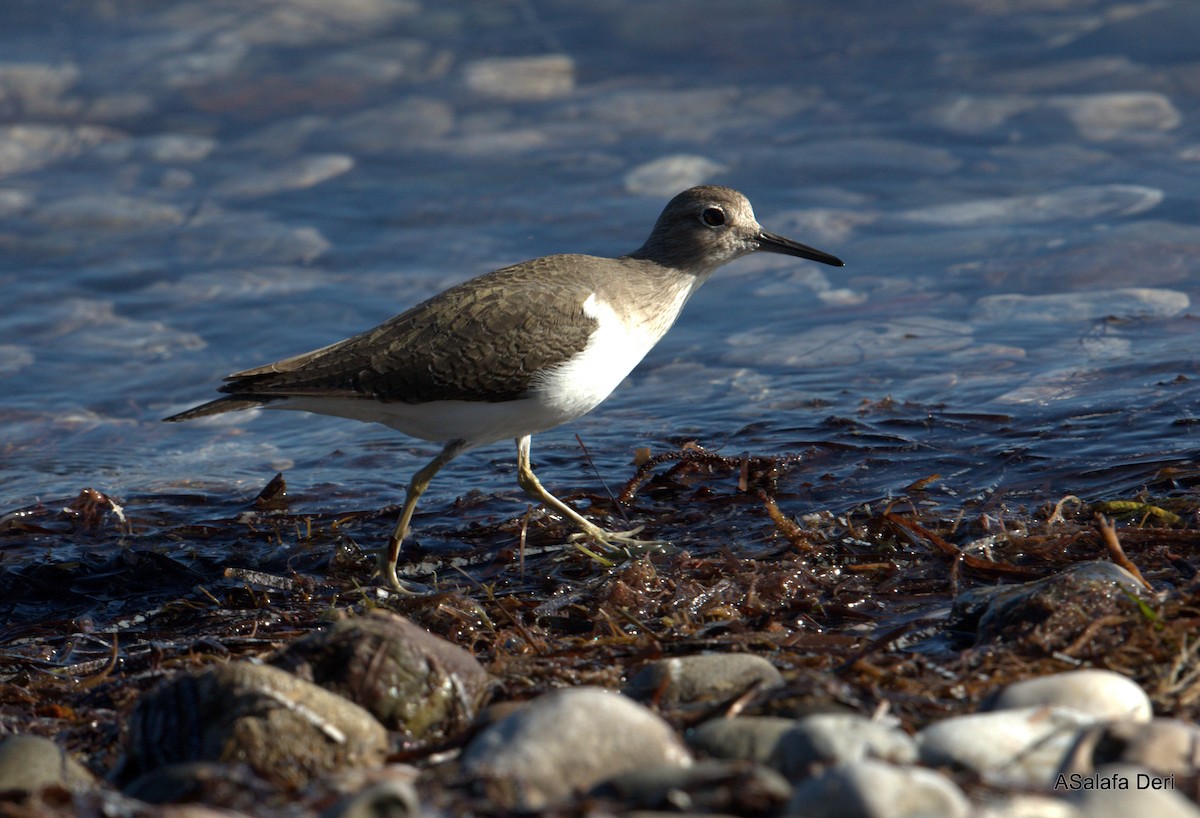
(770, 243)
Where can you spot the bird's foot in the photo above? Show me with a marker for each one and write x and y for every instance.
(623, 542)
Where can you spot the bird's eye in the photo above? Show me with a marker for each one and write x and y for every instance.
(713, 217)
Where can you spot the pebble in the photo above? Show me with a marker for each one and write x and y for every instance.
(838, 738)
(1163, 746)
(1021, 747)
(1100, 693)
(405, 676)
(709, 786)
(705, 677)
(1080, 306)
(287, 729)
(1117, 801)
(670, 174)
(567, 742)
(872, 789)
(749, 738)
(31, 763)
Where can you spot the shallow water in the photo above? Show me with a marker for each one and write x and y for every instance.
(192, 188)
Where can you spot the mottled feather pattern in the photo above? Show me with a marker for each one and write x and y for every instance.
(433, 351)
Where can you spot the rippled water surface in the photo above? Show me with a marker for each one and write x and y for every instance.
(192, 188)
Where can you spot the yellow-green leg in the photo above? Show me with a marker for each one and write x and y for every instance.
(612, 540)
(416, 487)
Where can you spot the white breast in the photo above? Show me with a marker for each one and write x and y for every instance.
(615, 348)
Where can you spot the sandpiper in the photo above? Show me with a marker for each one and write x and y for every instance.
(516, 351)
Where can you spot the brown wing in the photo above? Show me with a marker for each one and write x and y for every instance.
(483, 340)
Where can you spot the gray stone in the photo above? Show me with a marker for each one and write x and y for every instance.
(1119, 115)
(1022, 747)
(31, 763)
(386, 799)
(1162, 746)
(565, 743)
(1100, 693)
(872, 789)
(750, 738)
(836, 738)
(1136, 797)
(709, 786)
(704, 677)
(286, 729)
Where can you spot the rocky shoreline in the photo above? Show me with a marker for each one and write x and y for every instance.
(852, 665)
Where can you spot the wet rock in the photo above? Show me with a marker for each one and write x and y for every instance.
(1074, 203)
(1100, 693)
(1080, 306)
(405, 676)
(836, 738)
(1024, 747)
(710, 677)
(1119, 115)
(750, 738)
(709, 786)
(1126, 795)
(1162, 746)
(522, 78)
(1047, 614)
(667, 176)
(566, 742)
(31, 763)
(872, 789)
(286, 729)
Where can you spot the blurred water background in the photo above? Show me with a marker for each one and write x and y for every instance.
(193, 187)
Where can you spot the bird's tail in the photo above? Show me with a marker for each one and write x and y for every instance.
(233, 403)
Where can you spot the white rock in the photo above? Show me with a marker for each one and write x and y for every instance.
(567, 741)
(1123, 797)
(1100, 693)
(836, 738)
(1024, 747)
(871, 789)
